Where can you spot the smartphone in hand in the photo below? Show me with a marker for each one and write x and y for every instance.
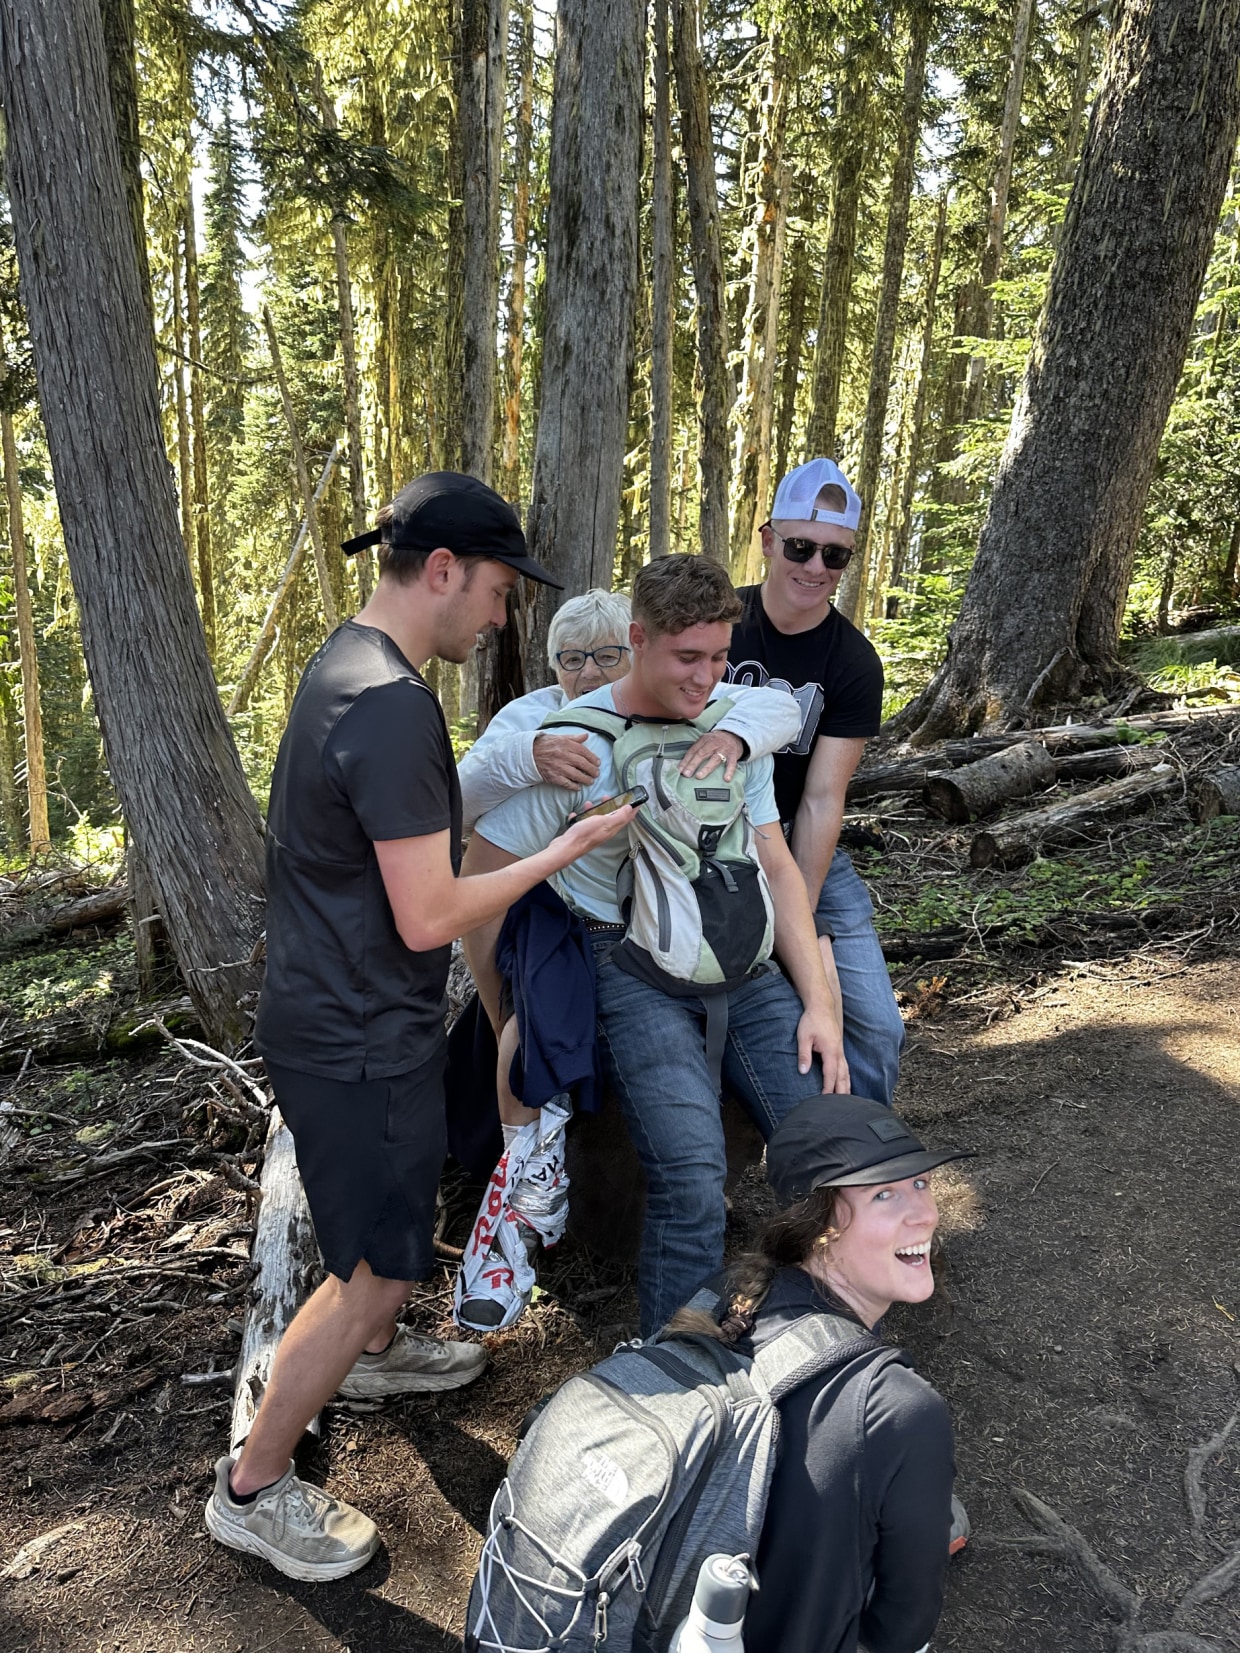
(607, 806)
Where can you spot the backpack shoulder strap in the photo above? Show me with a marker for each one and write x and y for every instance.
(811, 1347)
(599, 720)
(602, 720)
(808, 1348)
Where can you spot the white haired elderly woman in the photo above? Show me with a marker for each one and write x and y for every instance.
(587, 646)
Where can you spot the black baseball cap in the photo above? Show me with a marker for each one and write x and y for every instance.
(450, 509)
(844, 1142)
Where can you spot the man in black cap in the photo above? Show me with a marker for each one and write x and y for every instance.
(363, 902)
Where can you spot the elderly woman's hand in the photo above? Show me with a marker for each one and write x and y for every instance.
(714, 747)
(565, 760)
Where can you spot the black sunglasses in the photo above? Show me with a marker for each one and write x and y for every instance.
(833, 556)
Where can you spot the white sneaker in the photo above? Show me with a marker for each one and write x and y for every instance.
(299, 1528)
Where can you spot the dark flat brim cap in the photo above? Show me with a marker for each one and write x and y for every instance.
(845, 1142)
(463, 515)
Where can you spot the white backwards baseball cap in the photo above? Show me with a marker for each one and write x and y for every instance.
(796, 495)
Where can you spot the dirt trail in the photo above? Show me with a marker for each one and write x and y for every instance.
(1086, 1339)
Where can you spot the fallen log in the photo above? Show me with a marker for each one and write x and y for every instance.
(930, 944)
(103, 907)
(1018, 839)
(286, 1269)
(910, 774)
(1217, 793)
(978, 788)
(75, 1036)
(1110, 760)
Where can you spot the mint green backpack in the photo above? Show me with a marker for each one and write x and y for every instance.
(693, 896)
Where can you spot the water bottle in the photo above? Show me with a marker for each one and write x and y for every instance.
(717, 1615)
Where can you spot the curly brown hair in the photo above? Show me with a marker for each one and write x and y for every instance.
(675, 592)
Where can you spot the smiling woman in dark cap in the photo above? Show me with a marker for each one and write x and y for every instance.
(860, 1520)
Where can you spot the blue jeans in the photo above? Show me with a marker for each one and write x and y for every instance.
(873, 1031)
(654, 1051)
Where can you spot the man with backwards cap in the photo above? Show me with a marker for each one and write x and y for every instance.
(790, 636)
(363, 902)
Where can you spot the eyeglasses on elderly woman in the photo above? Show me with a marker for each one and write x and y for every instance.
(606, 659)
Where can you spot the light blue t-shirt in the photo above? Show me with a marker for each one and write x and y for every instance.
(530, 819)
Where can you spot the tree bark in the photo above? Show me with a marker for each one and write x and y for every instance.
(363, 561)
(1041, 613)
(662, 294)
(198, 429)
(996, 216)
(850, 598)
(977, 788)
(853, 139)
(1217, 793)
(514, 333)
(494, 674)
(715, 388)
(752, 411)
(904, 526)
(40, 837)
(1020, 838)
(794, 336)
(185, 464)
(591, 284)
(171, 757)
(484, 46)
(265, 641)
(1080, 91)
(119, 44)
(303, 478)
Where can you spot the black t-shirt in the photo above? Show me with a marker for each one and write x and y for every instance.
(860, 1497)
(366, 756)
(833, 672)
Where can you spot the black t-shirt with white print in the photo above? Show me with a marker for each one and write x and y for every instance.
(833, 671)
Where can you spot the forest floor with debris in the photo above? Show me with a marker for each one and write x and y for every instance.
(1075, 1019)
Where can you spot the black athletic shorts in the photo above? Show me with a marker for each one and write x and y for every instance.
(370, 1154)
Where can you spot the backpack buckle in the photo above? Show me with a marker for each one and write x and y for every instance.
(600, 1618)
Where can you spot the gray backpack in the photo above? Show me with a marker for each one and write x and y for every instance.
(630, 1476)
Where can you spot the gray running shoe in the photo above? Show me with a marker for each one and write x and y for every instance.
(300, 1529)
(412, 1364)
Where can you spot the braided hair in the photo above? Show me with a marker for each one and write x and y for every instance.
(787, 1241)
